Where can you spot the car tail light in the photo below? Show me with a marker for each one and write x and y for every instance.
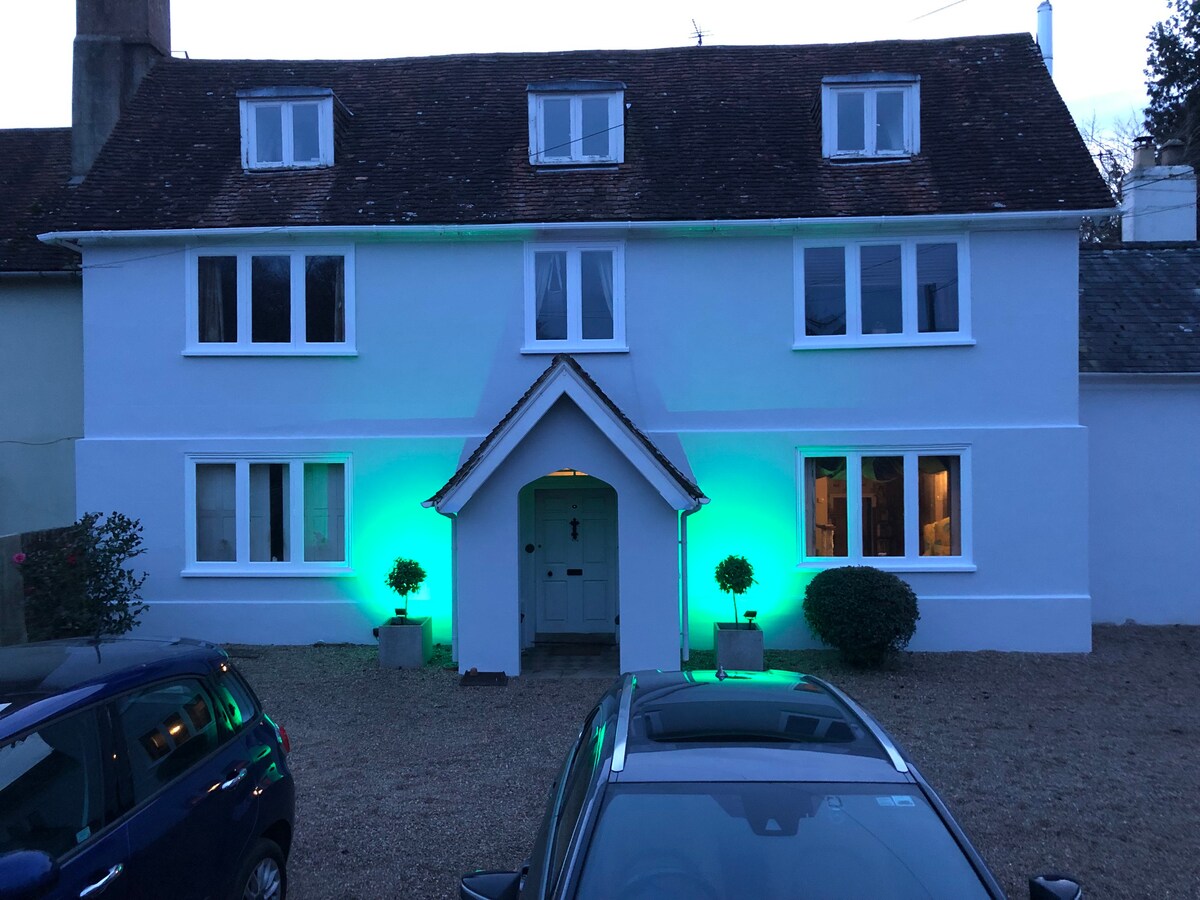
(281, 735)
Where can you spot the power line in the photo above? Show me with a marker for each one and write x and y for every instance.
(938, 10)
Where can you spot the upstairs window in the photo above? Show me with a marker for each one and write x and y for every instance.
(576, 123)
(871, 116)
(287, 128)
(265, 301)
(574, 297)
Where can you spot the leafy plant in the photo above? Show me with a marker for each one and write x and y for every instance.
(404, 578)
(865, 613)
(76, 583)
(734, 576)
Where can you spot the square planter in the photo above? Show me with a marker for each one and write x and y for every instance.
(405, 643)
(737, 646)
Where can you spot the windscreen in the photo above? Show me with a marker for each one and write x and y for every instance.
(772, 842)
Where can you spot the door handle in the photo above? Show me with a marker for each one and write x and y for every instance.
(549, 574)
(235, 780)
(93, 889)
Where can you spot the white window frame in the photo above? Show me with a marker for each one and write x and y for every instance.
(870, 85)
(616, 128)
(909, 335)
(575, 342)
(286, 102)
(242, 566)
(244, 346)
(912, 561)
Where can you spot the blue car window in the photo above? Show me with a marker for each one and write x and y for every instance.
(167, 729)
(235, 700)
(51, 787)
(579, 779)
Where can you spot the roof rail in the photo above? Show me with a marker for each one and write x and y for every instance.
(618, 759)
(867, 722)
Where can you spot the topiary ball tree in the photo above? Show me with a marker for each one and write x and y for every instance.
(864, 613)
(734, 576)
(404, 578)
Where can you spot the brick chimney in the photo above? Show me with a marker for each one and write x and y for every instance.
(1158, 196)
(116, 44)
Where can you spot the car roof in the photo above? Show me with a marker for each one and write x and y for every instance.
(56, 675)
(746, 726)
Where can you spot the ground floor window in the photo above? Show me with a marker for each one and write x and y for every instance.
(269, 515)
(884, 506)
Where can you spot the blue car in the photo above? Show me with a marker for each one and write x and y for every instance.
(138, 768)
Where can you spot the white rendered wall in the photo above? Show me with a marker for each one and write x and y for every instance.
(1144, 437)
(41, 370)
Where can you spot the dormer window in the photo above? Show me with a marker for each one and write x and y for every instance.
(574, 123)
(287, 128)
(871, 116)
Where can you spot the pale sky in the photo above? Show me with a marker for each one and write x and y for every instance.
(1099, 47)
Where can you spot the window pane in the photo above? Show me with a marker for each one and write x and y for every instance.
(550, 276)
(218, 298)
(595, 126)
(825, 482)
(236, 701)
(881, 298)
(850, 121)
(268, 133)
(325, 512)
(51, 792)
(940, 505)
(306, 135)
(271, 299)
(825, 290)
(883, 505)
(937, 287)
(270, 509)
(216, 516)
(556, 128)
(167, 729)
(889, 120)
(596, 275)
(324, 299)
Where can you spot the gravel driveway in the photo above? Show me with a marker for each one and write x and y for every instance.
(1087, 764)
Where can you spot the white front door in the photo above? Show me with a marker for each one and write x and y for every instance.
(575, 532)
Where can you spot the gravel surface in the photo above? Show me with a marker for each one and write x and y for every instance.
(1078, 763)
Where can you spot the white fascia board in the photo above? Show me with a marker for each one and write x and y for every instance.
(565, 383)
(968, 221)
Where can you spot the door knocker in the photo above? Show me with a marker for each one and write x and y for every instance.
(574, 523)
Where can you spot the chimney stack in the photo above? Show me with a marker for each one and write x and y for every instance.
(116, 44)
(1158, 195)
(1045, 34)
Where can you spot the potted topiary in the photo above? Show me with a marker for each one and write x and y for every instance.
(405, 643)
(737, 645)
(865, 613)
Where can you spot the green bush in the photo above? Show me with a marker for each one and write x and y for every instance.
(734, 576)
(76, 583)
(862, 612)
(404, 578)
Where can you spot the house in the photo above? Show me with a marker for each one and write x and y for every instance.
(569, 328)
(1139, 358)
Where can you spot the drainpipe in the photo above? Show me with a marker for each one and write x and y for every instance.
(453, 582)
(685, 634)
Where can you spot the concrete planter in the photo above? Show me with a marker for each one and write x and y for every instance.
(405, 643)
(737, 646)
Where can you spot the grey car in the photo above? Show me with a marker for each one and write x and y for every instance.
(765, 785)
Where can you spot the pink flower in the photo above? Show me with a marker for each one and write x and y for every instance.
(19, 558)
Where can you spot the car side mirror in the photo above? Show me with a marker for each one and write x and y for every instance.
(27, 874)
(1054, 887)
(490, 886)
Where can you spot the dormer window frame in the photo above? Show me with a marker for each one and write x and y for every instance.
(288, 101)
(576, 94)
(871, 86)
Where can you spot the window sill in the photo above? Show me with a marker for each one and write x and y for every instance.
(286, 167)
(887, 564)
(275, 571)
(882, 340)
(848, 159)
(270, 350)
(569, 347)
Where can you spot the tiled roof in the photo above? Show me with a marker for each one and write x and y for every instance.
(1139, 309)
(710, 133)
(35, 164)
(559, 361)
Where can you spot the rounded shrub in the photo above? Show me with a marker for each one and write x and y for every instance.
(862, 612)
(405, 578)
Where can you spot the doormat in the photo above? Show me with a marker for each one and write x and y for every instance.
(576, 650)
(483, 679)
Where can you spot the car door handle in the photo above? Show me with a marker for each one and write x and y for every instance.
(104, 882)
(235, 780)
